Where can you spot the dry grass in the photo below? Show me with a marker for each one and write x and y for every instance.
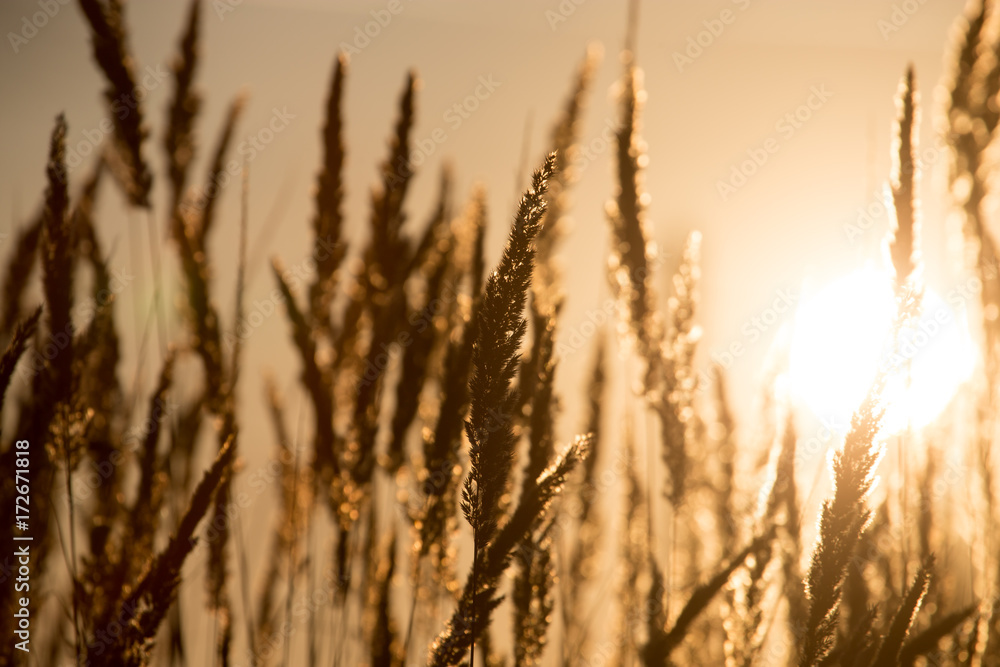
(472, 426)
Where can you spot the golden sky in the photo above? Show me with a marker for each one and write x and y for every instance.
(725, 80)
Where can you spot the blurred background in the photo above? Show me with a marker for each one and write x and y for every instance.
(804, 90)
(792, 223)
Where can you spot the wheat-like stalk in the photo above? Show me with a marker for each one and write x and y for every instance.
(842, 521)
(111, 52)
(904, 236)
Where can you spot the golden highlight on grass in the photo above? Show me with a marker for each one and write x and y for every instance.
(592, 553)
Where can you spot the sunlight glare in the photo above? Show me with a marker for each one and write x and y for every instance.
(837, 346)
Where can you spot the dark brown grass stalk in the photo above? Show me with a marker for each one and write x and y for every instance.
(184, 433)
(328, 248)
(971, 125)
(928, 640)
(384, 644)
(499, 332)
(425, 326)
(238, 308)
(632, 283)
(18, 273)
(202, 315)
(190, 233)
(218, 571)
(145, 607)
(659, 648)
(857, 600)
(145, 510)
(96, 350)
(966, 56)
(858, 646)
(631, 250)
(925, 519)
(382, 299)
(674, 401)
(438, 481)
(657, 603)
(726, 458)
(501, 328)
(212, 190)
(217, 581)
(387, 247)
(584, 553)
(783, 503)
(427, 250)
(972, 119)
(546, 285)
(992, 644)
(904, 235)
(532, 597)
(781, 515)
(111, 52)
(57, 262)
(892, 642)
(544, 402)
(535, 580)
(479, 596)
(284, 540)
(842, 521)
(788, 495)
(316, 382)
(634, 550)
(44, 419)
(745, 625)
(23, 332)
(85, 231)
(97, 369)
(385, 261)
(971, 646)
(179, 141)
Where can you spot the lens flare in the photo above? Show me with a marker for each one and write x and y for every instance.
(840, 341)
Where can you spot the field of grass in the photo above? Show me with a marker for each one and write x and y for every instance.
(428, 509)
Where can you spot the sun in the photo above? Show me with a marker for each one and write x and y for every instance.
(838, 344)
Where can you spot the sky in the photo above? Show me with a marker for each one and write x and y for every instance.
(724, 80)
(768, 125)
